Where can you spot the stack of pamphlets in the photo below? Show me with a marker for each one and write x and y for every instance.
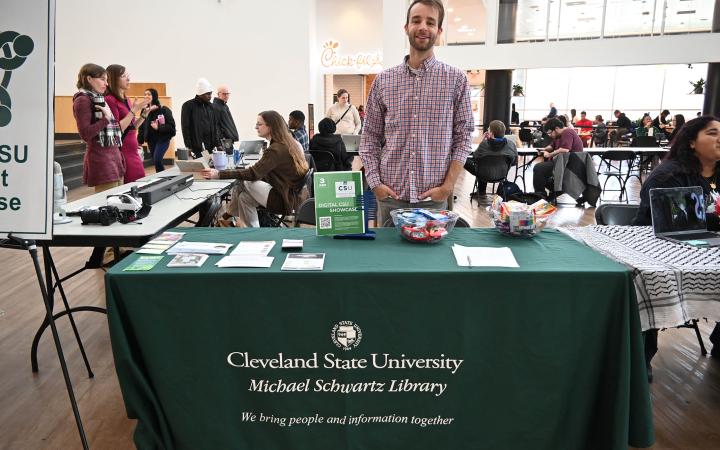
(249, 254)
(204, 248)
(143, 264)
(161, 243)
(304, 261)
(188, 260)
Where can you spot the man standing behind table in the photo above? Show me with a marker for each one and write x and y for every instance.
(226, 124)
(199, 122)
(418, 124)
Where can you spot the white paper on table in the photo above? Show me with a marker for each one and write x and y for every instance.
(304, 261)
(246, 261)
(261, 248)
(484, 256)
(292, 244)
(207, 248)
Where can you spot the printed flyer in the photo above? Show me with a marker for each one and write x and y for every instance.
(339, 205)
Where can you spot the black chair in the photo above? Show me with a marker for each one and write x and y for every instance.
(526, 136)
(209, 212)
(609, 214)
(490, 169)
(620, 166)
(324, 160)
(305, 213)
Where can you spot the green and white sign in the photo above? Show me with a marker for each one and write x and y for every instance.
(27, 42)
(339, 203)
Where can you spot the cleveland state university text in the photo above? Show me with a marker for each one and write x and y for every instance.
(330, 361)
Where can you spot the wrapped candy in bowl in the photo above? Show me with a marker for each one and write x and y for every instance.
(423, 225)
(520, 219)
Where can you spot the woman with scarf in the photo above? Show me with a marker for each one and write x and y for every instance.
(118, 84)
(157, 130)
(102, 165)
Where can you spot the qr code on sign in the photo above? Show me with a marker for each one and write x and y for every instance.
(325, 223)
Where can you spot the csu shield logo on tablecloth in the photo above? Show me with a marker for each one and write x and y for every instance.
(346, 335)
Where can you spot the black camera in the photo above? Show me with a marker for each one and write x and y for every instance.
(98, 101)
(104, 215)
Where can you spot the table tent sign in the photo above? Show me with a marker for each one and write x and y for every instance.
(339, 206)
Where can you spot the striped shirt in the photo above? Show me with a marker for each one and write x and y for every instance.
(417, 122)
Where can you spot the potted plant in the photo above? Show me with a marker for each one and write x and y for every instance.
(698, 86)
(517, 90)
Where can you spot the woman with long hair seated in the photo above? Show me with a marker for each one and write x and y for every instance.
(276, 181)
(694, 160)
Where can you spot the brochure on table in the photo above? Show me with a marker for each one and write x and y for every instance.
(339, 207)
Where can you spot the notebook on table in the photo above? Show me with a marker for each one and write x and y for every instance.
(678, 215)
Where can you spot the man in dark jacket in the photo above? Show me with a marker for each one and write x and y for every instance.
(199, 123)
(226, 124)
(494, 143)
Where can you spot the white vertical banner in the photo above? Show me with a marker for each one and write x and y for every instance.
(27, 86)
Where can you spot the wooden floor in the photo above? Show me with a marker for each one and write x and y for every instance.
(35, 412)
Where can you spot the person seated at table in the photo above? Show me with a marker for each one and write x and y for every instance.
(624, 126)
(276, 181)
(693, 160)
(584, 127)
(677, 123)
(326, 140)
(564, 140)
(661, 121)
(646, 127)
(600, 132)
(494, 143)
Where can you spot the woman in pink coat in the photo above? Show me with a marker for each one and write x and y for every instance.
(118, 83)
(102, 166)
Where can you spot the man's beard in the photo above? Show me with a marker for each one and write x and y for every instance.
(420, 47)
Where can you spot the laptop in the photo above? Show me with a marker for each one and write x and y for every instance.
(251, 149)
(352, 142)
(678, 215)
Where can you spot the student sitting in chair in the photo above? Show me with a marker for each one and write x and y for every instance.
(276, 181)
(494, 143)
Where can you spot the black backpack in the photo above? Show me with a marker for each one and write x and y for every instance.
(506, 189)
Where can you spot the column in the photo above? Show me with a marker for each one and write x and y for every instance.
(498, 88)
(507, 19)
(712, 85)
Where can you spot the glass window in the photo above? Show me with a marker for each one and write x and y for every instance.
(464, 22)
(531, 21)
(688, 16)
(580, 19)
(631, 18)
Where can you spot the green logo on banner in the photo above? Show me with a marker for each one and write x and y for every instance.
(14, 49)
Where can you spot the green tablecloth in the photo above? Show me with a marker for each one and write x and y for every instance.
(552, 353)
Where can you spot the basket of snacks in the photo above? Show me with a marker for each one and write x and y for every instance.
(423, 225)
(520, 219)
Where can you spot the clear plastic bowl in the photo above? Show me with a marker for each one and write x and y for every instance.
(423, 225)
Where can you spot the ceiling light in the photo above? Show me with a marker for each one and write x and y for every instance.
(574, 3)
(687, 12)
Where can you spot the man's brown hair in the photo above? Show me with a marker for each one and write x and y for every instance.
(437, 4)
